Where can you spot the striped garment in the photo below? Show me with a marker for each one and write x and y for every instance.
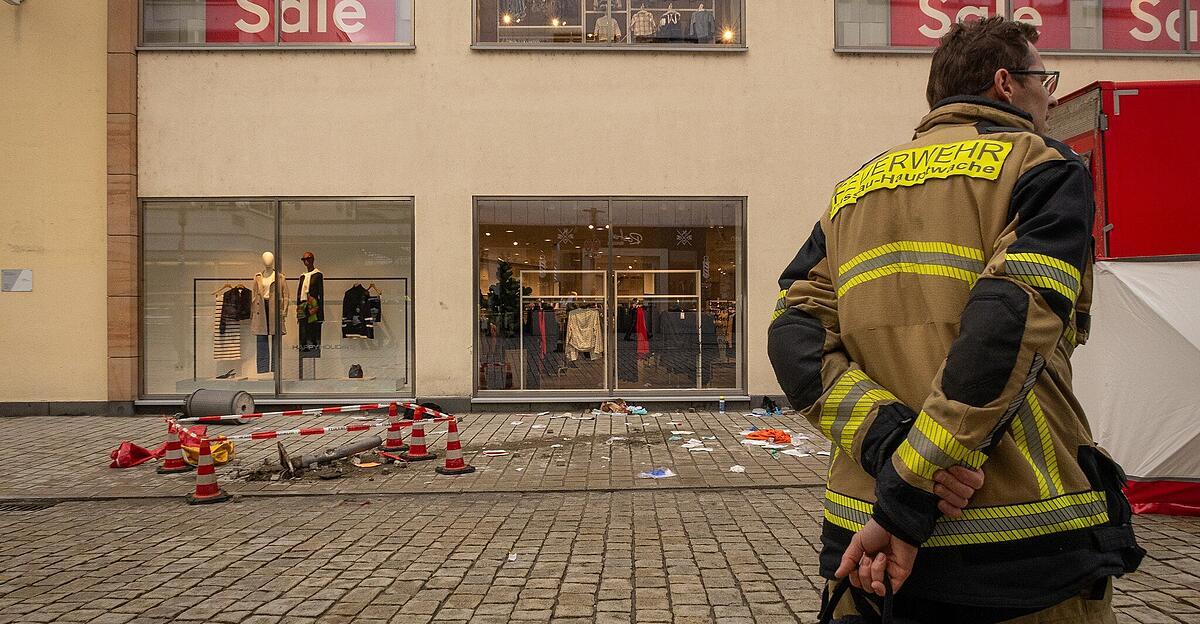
(227, 344)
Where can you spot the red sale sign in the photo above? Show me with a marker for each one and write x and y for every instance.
(1146, 24)
(301, 21)
(1052, 18)
(920, 23)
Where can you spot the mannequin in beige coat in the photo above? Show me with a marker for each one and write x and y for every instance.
(264, 293)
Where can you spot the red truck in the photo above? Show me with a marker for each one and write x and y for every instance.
(1136, 376)
(1142, 143)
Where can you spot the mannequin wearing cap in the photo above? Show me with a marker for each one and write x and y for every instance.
(269, 286)
(310, 309)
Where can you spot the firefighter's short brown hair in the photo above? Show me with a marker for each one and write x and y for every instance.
(969, 55)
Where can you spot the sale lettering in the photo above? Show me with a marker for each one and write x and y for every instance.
(1126, 24)
(302, 21)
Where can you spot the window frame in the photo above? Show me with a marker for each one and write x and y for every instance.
(142, 46)
(1007, 11)
(608, 47)
(517, 395)
(277, 396)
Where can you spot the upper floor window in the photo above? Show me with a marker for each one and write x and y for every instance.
(1089, 26)
(687, 24)
(258, 23)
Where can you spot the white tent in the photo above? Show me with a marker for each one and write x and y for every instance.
(1138, 378)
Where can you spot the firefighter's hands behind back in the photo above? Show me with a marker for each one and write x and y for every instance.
(955, 487)
(872, 551)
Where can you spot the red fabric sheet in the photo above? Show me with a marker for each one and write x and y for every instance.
(1175, 498)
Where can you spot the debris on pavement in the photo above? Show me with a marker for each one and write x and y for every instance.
(737, 468)
(682, 433)
(797, 453)
(657, 473)
(494, 452)
(775, 436)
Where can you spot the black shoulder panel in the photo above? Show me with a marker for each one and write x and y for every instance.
(808, 257)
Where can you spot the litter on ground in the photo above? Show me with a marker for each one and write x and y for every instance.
(657, 473)
(737, 468)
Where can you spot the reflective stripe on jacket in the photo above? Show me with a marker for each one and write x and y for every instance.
(928, 322)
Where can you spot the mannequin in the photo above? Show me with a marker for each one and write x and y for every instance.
(270, 286)
(310, 310)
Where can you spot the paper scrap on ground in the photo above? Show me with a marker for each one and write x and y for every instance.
(775, 447)
(495, 453)
(615, 439)
(537, 427)
(826, 453)
(512, 556)
(692, 443)
(368, 464)
(682, 432)
(755, 442)
(555, 446)
(517, 422)
(700, 449)
(542, 413)
(737, 468)
(797, 453)
(674, 438)
(657, 473)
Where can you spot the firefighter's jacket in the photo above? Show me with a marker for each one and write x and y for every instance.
(928, 322)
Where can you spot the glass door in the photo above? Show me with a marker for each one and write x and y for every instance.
(564, 330)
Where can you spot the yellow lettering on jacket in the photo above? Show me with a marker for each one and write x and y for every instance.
(978, 158)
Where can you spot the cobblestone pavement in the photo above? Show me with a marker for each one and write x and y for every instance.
(69, 457)
(644, 556)
(548, 533)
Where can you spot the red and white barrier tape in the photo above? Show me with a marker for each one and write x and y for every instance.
(318, 411)
(308, 431)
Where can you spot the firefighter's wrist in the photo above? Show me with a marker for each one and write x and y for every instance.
(906, 511)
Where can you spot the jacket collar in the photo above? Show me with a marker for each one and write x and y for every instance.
(969, 109)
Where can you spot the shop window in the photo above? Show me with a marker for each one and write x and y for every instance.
(229, 303)
(623, 295)
(252, 23)
(1101, 26)
(688, 24)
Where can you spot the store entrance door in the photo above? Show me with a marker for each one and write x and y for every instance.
(589, 297)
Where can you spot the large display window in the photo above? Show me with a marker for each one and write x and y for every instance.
(608, 24)
(597, 295)
(278, 297)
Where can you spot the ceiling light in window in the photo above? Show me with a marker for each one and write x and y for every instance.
(555, 22)
(727, 36)
(591, 227)
(508, 231)
(487, 233)
(516, 243)
(507, 19)
(546, 240)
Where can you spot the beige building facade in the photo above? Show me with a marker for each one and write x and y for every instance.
(654, 185)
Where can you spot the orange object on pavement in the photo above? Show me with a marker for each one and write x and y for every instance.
(770, 435)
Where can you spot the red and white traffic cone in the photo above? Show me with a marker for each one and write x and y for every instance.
(394, 443)
(454, 459)
(416, 447)
(206, 479)
(173, 460)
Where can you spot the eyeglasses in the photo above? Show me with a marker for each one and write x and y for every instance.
(1049, 78)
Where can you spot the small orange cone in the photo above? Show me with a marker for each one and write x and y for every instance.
(206, 479)
(416, 448)
(454, 459)
(173, 460)
(395, 433)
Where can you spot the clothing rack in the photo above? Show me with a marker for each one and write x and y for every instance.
(601, 299)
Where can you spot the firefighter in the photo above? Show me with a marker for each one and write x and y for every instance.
(926, 328)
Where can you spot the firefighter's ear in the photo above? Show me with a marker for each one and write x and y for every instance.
(1003, 88)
